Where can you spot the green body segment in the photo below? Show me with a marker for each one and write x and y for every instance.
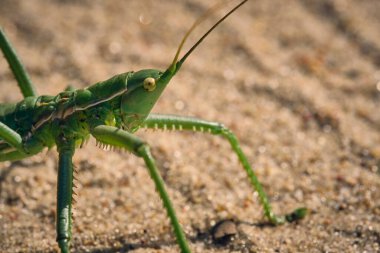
(38, 120)
(83, 99)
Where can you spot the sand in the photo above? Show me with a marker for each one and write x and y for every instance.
(297, 81)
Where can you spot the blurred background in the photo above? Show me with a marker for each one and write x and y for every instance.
(298, 81)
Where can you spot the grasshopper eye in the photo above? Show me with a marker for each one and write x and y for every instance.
(149, 84)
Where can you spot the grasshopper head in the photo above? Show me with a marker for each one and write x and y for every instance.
(146, 86)
(144, 89)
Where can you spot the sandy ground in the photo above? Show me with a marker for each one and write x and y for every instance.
(298, 81)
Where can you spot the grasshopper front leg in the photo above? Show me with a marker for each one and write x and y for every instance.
(14, 148)
(120, 138)
(11, 137)
(157, 121)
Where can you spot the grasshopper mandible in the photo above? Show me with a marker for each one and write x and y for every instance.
(110, 111)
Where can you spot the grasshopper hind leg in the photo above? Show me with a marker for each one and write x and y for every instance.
(19, 71)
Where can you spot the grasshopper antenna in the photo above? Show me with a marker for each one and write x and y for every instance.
(177, 64)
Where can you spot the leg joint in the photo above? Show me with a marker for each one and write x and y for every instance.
(218, 128)
(141, 149)
(223, 130)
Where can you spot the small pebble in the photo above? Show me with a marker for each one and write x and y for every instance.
(223, 231)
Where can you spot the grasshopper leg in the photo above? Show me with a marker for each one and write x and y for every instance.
(157, 121)
(11, 137)
(122, 139)
(16, 66)
(66, 150)
(14, 148)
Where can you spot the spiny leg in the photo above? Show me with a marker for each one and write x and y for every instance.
(16, 66)
(119, 138)
(66, 150)
(157, 121)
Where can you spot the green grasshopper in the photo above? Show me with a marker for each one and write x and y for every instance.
(111, 111)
